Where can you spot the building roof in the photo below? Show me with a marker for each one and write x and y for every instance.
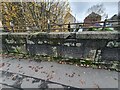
(114, 17)
(92, 15)
(68, 16)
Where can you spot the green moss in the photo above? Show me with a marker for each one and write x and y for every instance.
(91, 29)
(57, 58)
(107, 29)
(99, 29)
(88, 62)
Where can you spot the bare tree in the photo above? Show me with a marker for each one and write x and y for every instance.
(98, 9)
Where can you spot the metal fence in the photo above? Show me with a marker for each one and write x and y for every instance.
(70, 27)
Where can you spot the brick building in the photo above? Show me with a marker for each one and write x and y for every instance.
(93, 17)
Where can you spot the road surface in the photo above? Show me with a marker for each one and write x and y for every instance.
(64, 75)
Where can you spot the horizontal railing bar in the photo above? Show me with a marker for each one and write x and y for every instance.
(84, 23)
(70, 28)
(77, 23)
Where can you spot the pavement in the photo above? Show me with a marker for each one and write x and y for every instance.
(53, 75)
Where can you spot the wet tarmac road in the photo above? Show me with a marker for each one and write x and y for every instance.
(57, 75)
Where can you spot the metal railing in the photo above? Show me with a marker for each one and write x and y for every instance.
(65, 27)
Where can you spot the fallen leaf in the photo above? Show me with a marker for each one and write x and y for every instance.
(36, 70)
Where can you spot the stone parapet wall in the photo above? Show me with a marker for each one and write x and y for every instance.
(82, 45)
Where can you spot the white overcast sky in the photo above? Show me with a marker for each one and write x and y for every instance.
(79, 7)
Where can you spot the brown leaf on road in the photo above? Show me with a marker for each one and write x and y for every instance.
(72, 75)
(41, 67)
(36, 70)
(8, 65)
(73, 72)
(27, 79)
(2, 65)
(20, 67)
(79, 75)
(53, 71)
(51, 65)
(30, 66)
(47, 76)
(82, 82)
(115, 78)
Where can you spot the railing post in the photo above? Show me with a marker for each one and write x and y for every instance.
(69, 29)
(104, 24)
(48, 31)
